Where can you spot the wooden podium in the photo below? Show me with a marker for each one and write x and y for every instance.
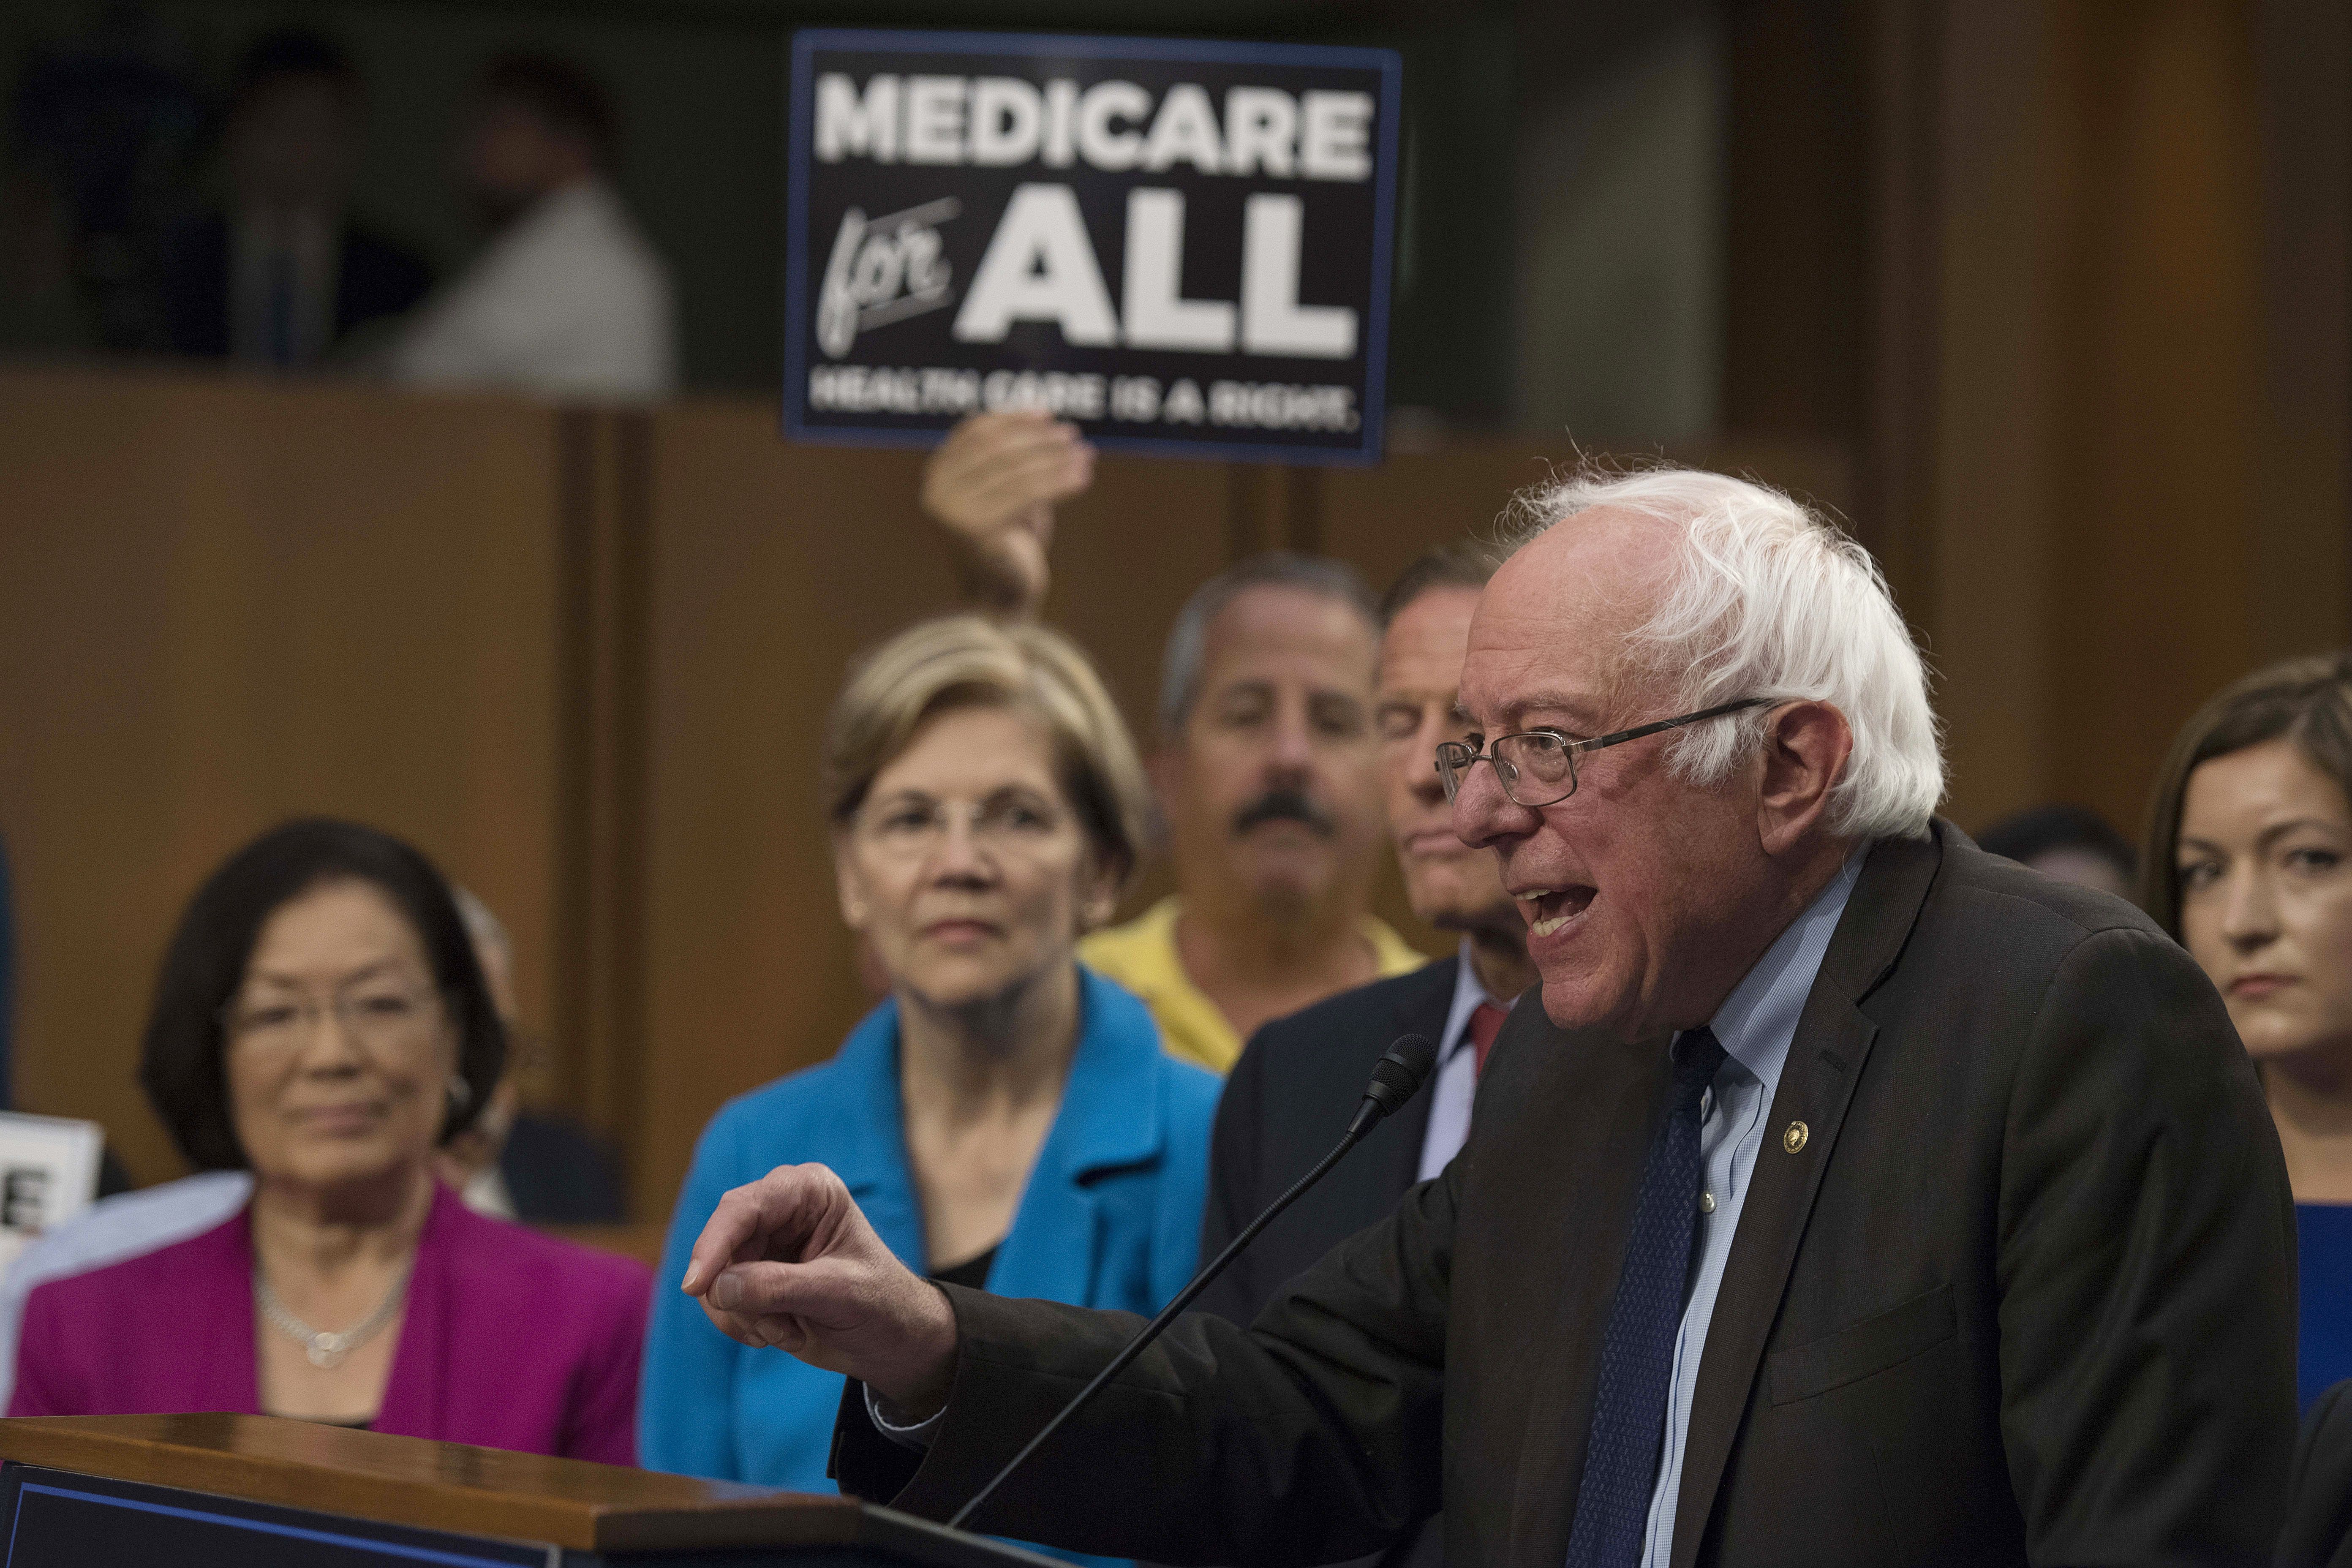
(197, 1492)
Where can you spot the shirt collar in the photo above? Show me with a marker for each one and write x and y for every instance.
(1468, 992)
(1758, 1022)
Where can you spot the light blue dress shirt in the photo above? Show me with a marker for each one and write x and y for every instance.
(1457, 1083)
(1755, 1027)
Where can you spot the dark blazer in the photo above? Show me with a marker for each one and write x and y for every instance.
(1285, 1104)
(2318, 1533)
(2022, 1291)
(559, 1173)
(376, 278)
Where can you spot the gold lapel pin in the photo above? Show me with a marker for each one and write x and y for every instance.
(1794, 1138)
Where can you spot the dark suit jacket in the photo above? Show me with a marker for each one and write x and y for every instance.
(559, 1173)
(2318, 1533)
(1285, 1105)
(2023, 1292)
(376, 278)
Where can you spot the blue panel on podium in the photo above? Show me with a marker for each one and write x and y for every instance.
(57, 1520)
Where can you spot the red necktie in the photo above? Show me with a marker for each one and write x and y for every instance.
(1486, 1022)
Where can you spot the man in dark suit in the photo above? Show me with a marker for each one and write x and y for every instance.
(1849, 1197)
(285, 276)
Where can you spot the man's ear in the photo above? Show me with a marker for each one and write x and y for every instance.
(1806, 748)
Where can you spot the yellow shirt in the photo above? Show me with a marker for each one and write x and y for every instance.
(1141, 956)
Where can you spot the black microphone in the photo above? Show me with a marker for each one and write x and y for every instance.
(1397, 1077)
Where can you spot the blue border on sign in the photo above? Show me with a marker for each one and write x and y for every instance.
(806, 41)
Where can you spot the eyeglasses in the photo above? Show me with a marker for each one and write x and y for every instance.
(1003, 824)
(372, 1014)
(1537, 767)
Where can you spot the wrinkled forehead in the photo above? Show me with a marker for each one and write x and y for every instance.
(1280, 634)
(1553, 637)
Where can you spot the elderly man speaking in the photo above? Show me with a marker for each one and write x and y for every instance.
(1853, 1197)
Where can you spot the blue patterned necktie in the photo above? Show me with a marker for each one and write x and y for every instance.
(1637, 1351)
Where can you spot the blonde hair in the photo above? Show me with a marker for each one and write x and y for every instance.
(970, 661)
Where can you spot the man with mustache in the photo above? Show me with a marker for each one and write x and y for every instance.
(1268, 772)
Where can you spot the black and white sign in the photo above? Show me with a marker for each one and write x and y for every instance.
(48, 1173)
(1178, 246)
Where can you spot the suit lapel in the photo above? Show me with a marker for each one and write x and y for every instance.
(1833, 1039)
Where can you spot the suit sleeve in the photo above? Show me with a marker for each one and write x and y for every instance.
(2147, 1267)
(1310, 1438)
(1234, 1151)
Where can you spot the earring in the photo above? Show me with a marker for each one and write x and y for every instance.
(461, 1095)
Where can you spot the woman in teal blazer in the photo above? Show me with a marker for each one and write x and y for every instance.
(1007, 1119)
(1111, 1217)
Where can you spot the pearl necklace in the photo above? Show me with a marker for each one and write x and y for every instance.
(326, 1350)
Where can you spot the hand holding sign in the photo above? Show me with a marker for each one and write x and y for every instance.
(992, 485)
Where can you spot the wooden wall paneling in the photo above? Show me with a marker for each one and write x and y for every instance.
(2002, 175)
(771, 566)
(224, 603)
(2302, 522)
(1901, 46)
(607, 477)
(1795, 226)
(2154, 601)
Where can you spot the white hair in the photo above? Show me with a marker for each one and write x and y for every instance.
(1772, 601)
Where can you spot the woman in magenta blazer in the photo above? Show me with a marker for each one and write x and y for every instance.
(322, 1020)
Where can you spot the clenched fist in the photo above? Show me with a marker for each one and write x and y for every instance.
(789, 1262)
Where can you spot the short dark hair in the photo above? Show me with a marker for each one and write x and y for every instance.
(2307, 701)
(570, 100)
(1458, 563)
(287, 53)
(2029, 835)
(179, 1062)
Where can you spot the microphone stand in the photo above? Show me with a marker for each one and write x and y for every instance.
(1403, 1068)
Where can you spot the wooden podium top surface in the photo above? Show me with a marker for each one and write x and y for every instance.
(409, 1481)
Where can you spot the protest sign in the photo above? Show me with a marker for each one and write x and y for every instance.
(1178, 246)
(48, 1173)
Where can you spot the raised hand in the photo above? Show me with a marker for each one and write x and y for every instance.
(788, 1262)
(993, 484)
